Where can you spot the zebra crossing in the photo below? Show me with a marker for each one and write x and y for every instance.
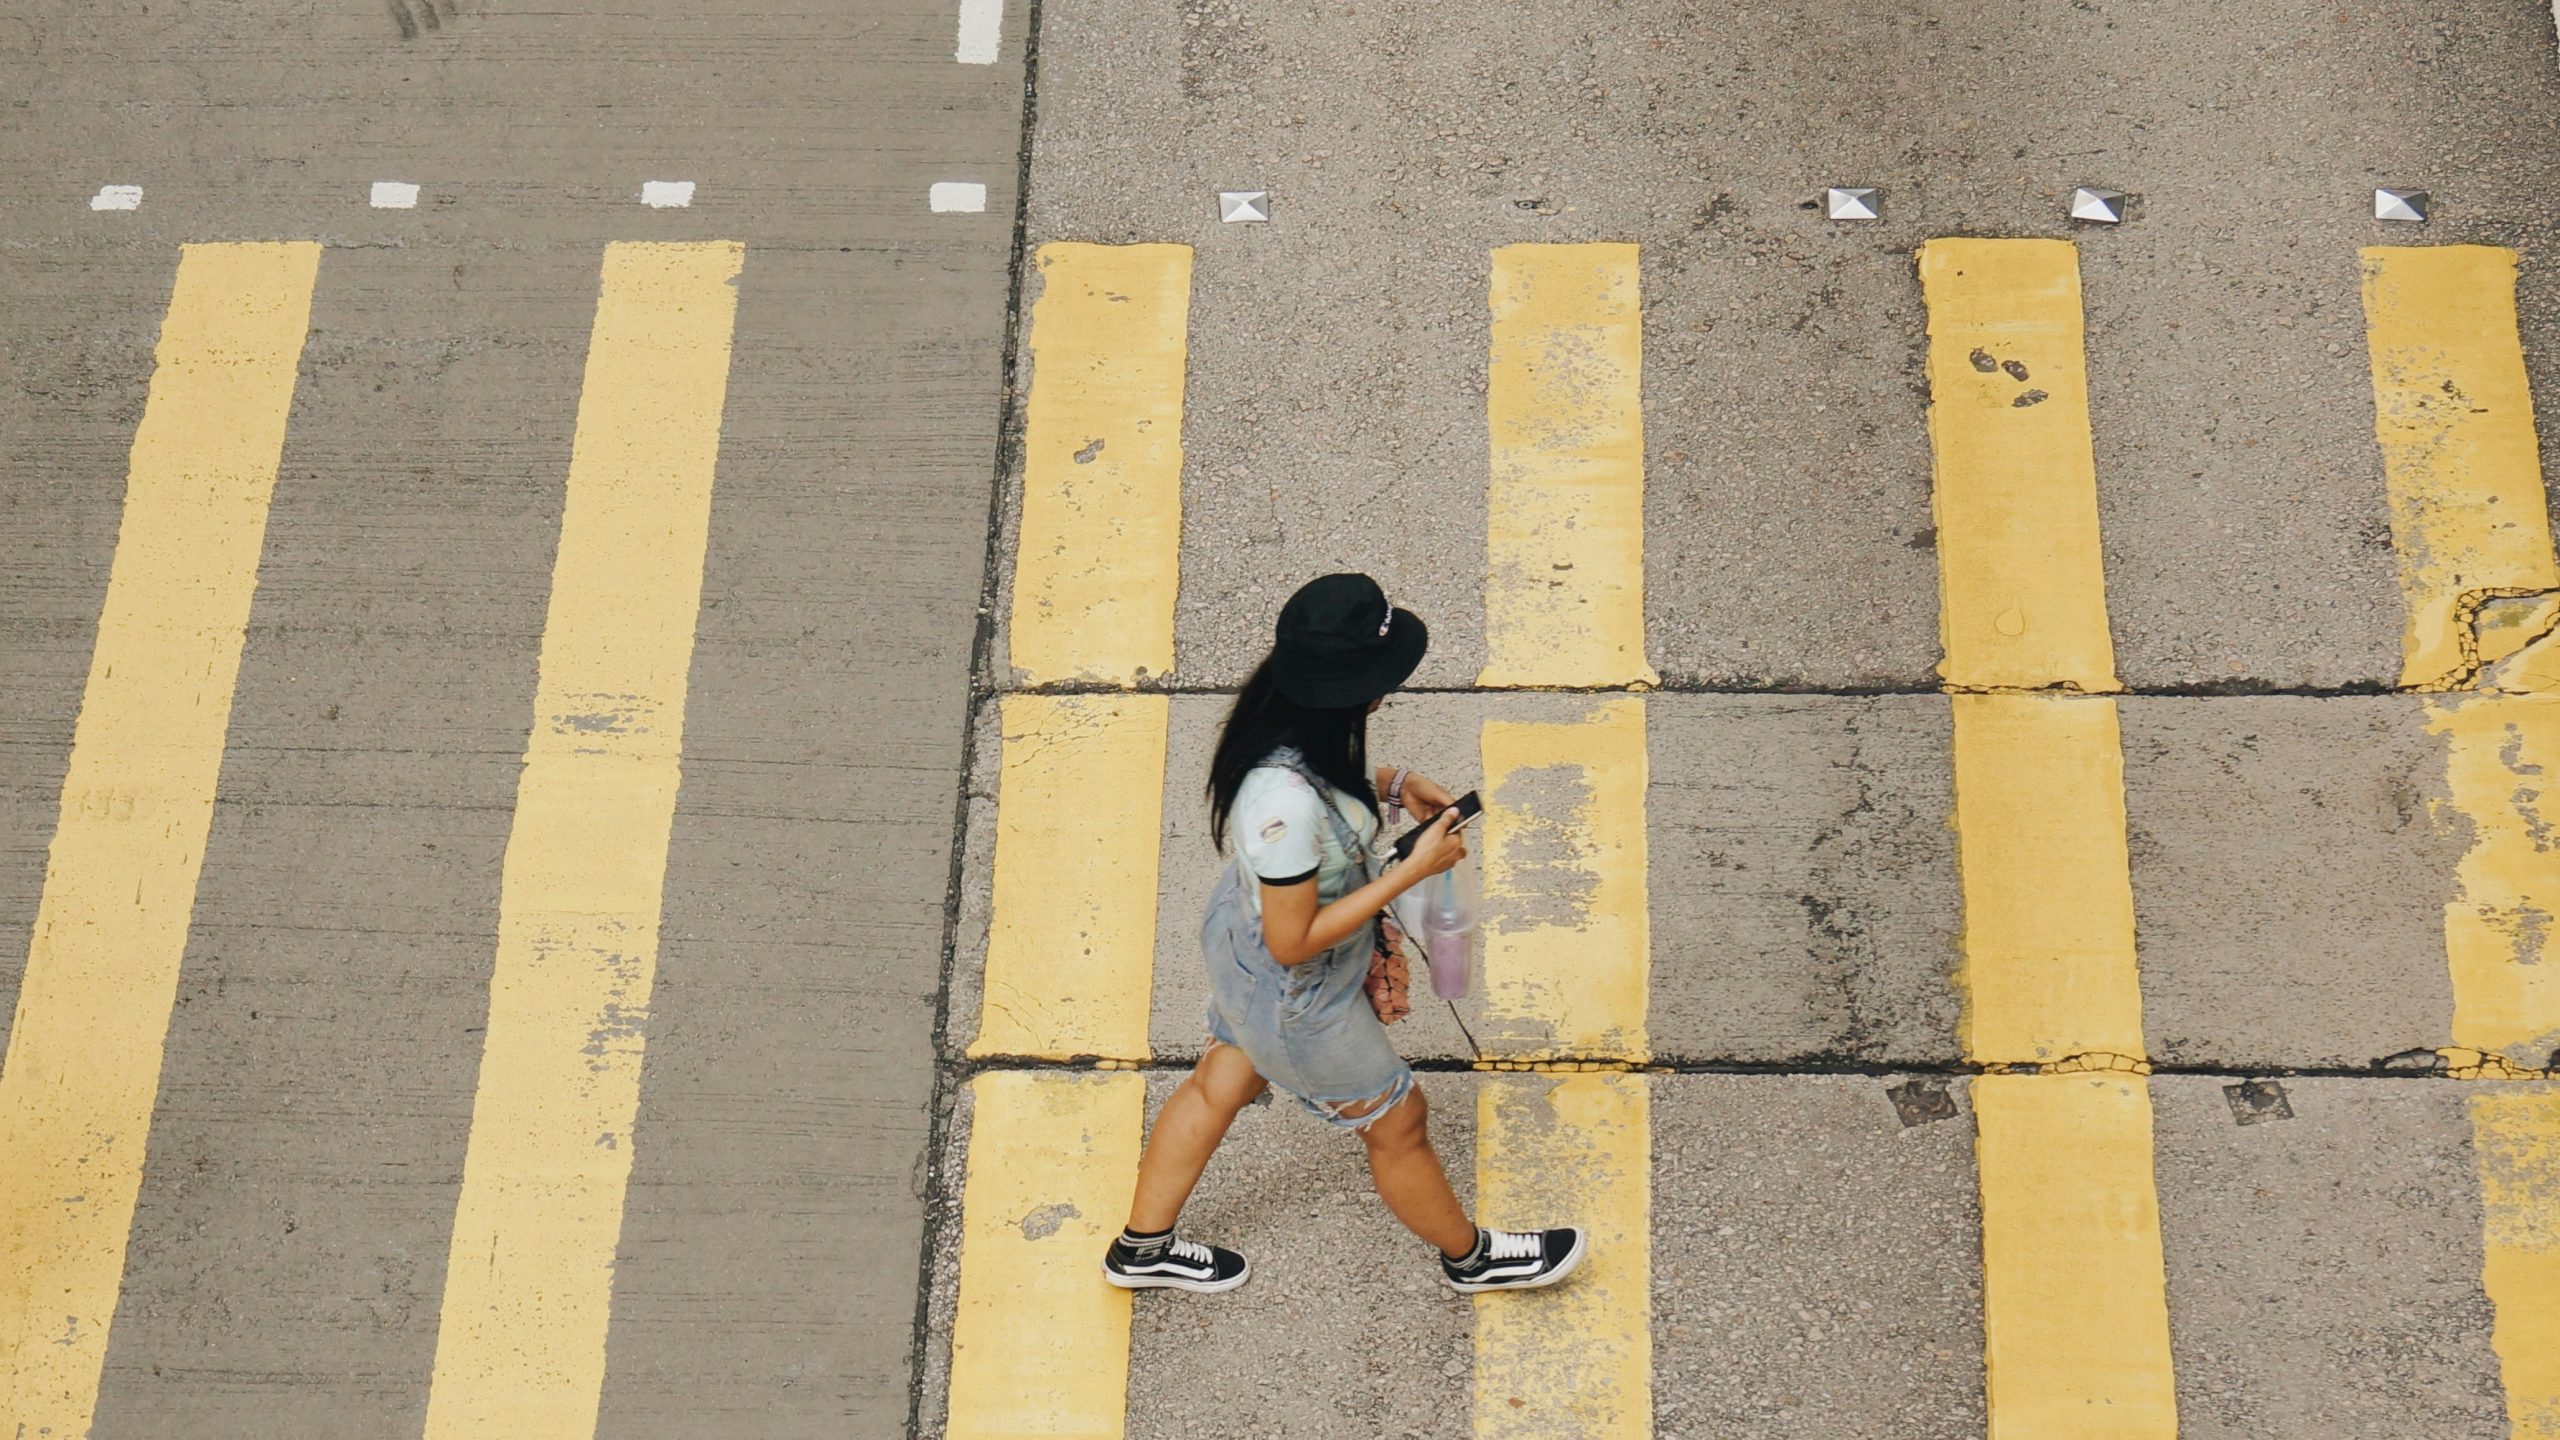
(529, 1279)
(2078, 1334)
(1061, 1016)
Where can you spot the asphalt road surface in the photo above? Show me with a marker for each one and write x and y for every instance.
(615, 618)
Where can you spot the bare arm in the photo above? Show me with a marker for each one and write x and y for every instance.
(1295, 931)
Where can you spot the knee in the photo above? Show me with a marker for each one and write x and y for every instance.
(1403, 1125)
(1227, 1081)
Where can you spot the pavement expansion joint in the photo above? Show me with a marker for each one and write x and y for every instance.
(2451, 1063)
(2243, 688)
(2088, 1062)
(2455, 1062)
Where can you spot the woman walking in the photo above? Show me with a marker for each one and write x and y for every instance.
(1292, 930)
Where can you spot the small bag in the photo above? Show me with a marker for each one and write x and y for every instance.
(1390, 982)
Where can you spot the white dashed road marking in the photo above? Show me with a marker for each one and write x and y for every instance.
(394, 195)
(117, 197)
(666, 194)
(981, 31)
(964, 197)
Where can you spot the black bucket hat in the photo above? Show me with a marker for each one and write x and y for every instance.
(1340, 643)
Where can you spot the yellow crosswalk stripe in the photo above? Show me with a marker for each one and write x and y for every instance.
(1040, 1345)
(2515, 1131)
(1566, 934)
(2048, 921)
(2075, 1309)
(1574, 1363)
(1100, 547)
(2506, 998)
(2075, 1323)
(1566, 937)
(1072, 937)
(528, 1291)
(83, 1066)
(2454, 419)
(2464, 477)
(1564, 551)
(2023, 595)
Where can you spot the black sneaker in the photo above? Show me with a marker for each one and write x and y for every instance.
(1517, 1260)
(1174, 1265)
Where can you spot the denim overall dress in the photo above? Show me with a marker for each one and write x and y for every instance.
(1308, 1028)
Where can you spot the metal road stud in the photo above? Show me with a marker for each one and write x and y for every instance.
(2409, 206)
(1244, 207)
(1852, 202)
(2098, 206)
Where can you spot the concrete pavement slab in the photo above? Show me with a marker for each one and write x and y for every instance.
(2291, 866)
(2324, 1267)
(1819, 1273)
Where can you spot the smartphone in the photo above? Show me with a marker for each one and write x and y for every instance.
(1469, 806)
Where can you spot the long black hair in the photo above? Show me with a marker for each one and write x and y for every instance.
(1334, 743)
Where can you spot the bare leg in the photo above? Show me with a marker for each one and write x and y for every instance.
(1411, 1179)
(1187, 1133)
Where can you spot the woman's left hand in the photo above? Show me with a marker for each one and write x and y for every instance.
(1425, 797)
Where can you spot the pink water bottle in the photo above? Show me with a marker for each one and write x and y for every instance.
(1449, 930)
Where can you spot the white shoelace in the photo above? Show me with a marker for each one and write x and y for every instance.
(1511, 1244)
(1193, 1251)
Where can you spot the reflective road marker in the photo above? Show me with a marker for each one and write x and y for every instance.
(2454, 418)
(1100, 548)
(83, 1066)
(1564, 540)
(1072, 938)
(2075, 1309)
(529, 1278)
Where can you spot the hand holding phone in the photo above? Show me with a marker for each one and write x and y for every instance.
(1467, 808)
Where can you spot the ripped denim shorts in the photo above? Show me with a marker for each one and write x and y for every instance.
(1308, 1028)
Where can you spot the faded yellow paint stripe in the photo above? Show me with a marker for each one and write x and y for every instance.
(1100, 549)
(1575, 1362)
(2075, 1297)
(529, 1278)
(2515, 1131)
(1564, 583)
(2454, 417)
(2500, 751)
(83, 1067)
(2023, 601)
(1071, 944)
(1566, 933)
(2075, 1314)
(2048, 969)
(1039, 1344)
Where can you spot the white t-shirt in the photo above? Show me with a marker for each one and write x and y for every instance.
(1282, 836)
